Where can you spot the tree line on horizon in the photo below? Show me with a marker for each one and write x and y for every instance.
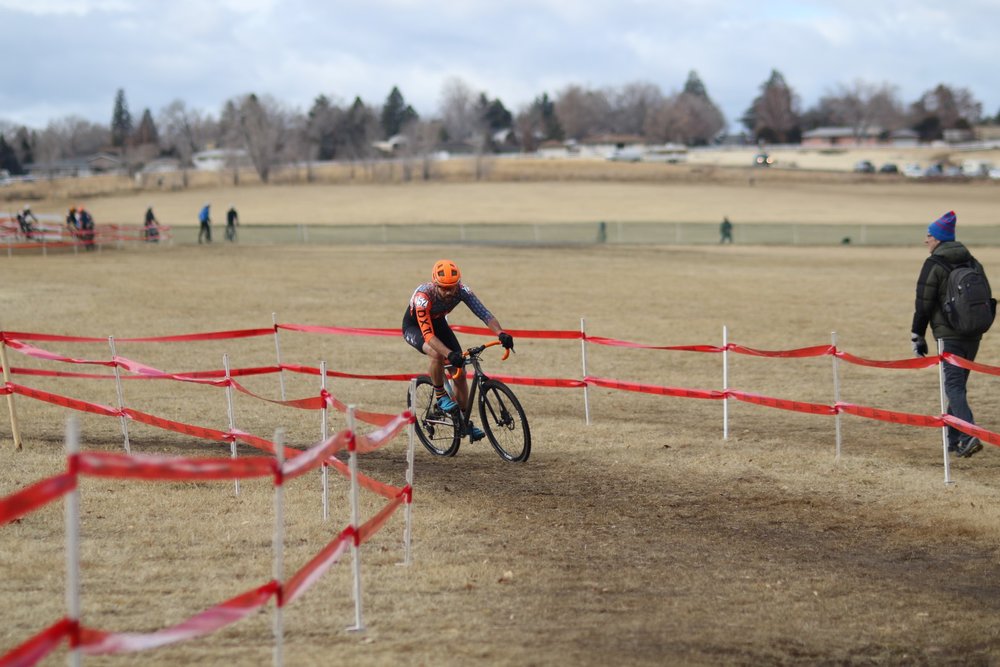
(472, 122)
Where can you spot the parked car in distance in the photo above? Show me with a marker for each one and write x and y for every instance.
(864, 167)
(762, 160)
(626, 155)
(976, 168)
(913, 171)
(994, 173)
(888, 168)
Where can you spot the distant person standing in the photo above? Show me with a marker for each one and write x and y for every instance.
(151, 226)
(725, 231)
(205, 222)
(232, 222)
(958, 323)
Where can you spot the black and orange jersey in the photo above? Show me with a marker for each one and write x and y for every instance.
(425, 308)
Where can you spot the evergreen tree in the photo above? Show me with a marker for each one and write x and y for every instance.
(25, 143)
(694, 86)
(320, 125)
(359, 127)
(396, 113)
(8, 158)
(146, 133)
(121, 121)
(552, 128)
(494, 114)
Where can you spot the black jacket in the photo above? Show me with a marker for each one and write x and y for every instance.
(932, 286)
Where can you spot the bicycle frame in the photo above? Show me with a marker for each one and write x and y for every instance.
(478, 378)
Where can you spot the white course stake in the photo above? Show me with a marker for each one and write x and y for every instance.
(355, 521)
(836, 389)
(725, 382)
(73, 539)
(232, 417)
(944, 409)
(324, 434)
(277, 352)
(121, 396)
(586, 386)
(411, 438)
(278, 547)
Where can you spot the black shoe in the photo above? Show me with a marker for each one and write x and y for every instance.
(971, 446)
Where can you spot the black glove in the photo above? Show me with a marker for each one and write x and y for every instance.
(919, 345)
(456, 359)
(506, 340)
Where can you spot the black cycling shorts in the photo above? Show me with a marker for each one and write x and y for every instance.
(415, 337)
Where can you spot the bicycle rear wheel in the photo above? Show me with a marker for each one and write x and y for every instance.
(435, 429)
(504, 421)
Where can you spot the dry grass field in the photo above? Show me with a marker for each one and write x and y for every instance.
(644, 538)
(819, 189)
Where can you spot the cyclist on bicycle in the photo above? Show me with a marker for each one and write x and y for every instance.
(425, 327)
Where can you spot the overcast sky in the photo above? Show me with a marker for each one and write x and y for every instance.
(68, 57)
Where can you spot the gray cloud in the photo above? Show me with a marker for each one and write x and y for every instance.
(74, 54)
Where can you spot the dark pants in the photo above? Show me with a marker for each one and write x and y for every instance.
(206, 232)
(955, 380)
(415, 337)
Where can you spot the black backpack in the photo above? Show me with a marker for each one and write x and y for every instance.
(968, 303)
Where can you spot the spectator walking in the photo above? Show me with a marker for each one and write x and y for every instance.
(232, 222)
(725, 231)
(946, 256)
(205, 224)
(151, 226)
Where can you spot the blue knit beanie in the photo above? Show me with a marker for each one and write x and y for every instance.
(943, 229)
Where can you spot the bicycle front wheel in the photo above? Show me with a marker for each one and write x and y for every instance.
(436, 429)
(504, 421)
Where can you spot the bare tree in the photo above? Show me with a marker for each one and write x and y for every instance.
(421, 138)
(689, 117)
(944, 108)
(632, 105)
(774, 114)
(263, 130)
(861, 106)
(460, 117)
(686, 119)
(184, 132)
(583, 112)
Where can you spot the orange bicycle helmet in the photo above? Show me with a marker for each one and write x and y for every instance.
(446, 273)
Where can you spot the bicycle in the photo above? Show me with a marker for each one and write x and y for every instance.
(501, 415)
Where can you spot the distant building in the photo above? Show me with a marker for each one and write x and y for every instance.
(849, 137)
(98, 163)
(555, 149)
(831, 137)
